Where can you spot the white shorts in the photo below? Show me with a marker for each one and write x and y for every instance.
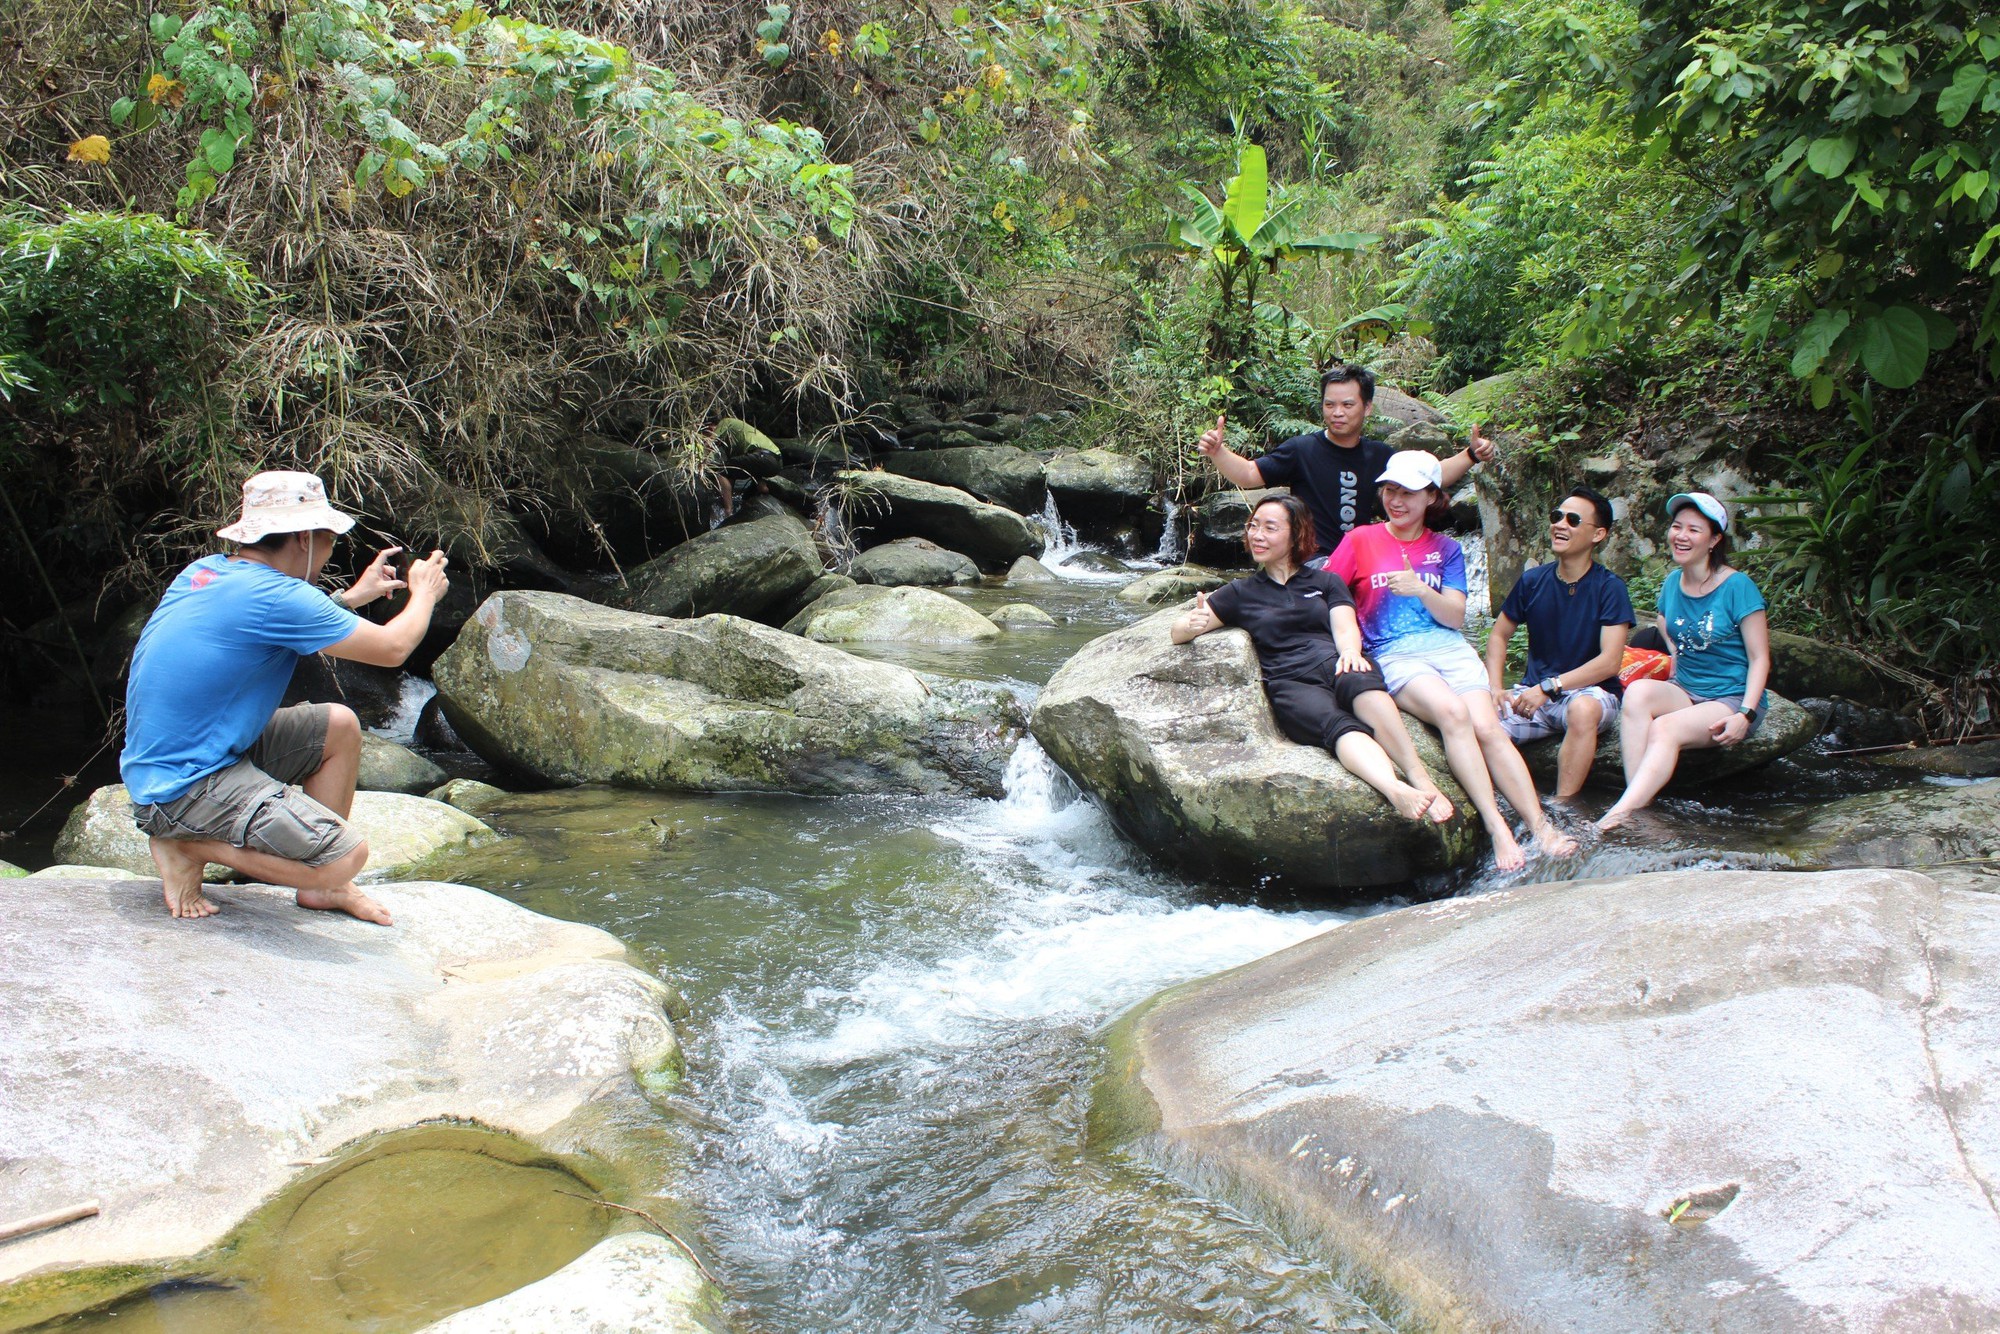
(1553, 717)
(1456, 665)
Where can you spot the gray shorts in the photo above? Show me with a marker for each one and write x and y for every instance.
(1553, 716)
(255, 804)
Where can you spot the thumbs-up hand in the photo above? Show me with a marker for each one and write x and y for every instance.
(1203, 617)
(1481, 446)
(1216, 437)
(1406, 581)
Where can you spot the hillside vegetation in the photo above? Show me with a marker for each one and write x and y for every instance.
(436, 251)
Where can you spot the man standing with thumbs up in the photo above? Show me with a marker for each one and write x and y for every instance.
(1333, 469)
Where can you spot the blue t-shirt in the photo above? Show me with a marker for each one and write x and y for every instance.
(1709, 657)
(1337, 485)
(211, 666)
(1566, 621)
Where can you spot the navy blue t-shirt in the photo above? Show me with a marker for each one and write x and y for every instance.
(1337, 485)
(1565, 624)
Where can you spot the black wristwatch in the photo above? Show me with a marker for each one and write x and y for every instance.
(1750, 711)
(1552, 686)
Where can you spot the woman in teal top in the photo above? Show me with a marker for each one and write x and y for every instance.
(1714, 621)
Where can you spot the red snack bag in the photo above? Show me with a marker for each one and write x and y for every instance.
(1644, 664)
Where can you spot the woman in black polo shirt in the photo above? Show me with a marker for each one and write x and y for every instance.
(1322, 690)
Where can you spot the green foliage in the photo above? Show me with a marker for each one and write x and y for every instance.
(1848, 154)
(100, 309)
(1893, 547)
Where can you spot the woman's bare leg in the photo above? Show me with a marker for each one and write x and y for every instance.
(1672, 733)
(1644, 701)
(1378, 709)
(1430, 700)
(1363, 756)
(1511, 776)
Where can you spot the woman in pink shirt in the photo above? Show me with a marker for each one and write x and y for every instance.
(1409, 594)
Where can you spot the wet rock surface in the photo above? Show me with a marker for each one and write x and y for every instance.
(741, 568)
(635, 1283)
(1178, 744)
(1785, 728)
(912, 560)
(181, 1072)
(1686, 1100)
(883, 506)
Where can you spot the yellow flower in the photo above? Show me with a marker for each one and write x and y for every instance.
(811, 244)
(831, 43)
(996, 78)
(94, 149)
(162, 91)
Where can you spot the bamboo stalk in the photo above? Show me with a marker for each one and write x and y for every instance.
(43, 1222)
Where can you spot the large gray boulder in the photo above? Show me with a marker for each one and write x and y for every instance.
(740, 568)
(633, 1283)
(884, 506)
(998, 474)
(1100, 486)
(183, 1074)
(1679, 1101)
(388, 767)
(1028, 570)
(912, 560)
(903, 614)
(1785, 728)
(1806, 668)
(401, 830)
(1915, 827)
(1393, 405)
(1178, 744)
(572, 692)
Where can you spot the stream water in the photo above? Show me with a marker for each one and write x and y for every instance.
(895, 1005)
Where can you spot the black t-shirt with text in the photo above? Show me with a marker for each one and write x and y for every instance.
(1290, 623)
(1337, 485)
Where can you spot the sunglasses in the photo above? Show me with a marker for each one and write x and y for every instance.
(1570, 517)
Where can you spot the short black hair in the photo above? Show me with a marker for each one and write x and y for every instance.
(1598, 502)
(268, 542)
(1359, 376)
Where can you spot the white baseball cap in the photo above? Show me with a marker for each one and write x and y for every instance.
(1711, 508)
(284, 502)
(1413, 470)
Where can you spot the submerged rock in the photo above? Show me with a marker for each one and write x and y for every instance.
(634, 1283)
(740, 568)
(904, 614)
(388, 767)
(912, 560)
(401, 830)
(181, 1073)
(1178, 744)
(888, 506)
(1915, 827)
(1020, 614)
(1174, 585)
(1971, 759)
(468, 794)
(1785, 728)
(573, 693)
(1687, 1100)
(1028, 570)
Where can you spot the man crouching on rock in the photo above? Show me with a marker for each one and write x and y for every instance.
(210, 759)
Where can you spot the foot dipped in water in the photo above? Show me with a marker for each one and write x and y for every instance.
(1553, 842)
(1414, 803)
(1507, 854)
(347, 899)
(180, 879)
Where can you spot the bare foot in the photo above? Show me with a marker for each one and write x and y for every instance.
(1553, 842)
(346, 899)
(180, 879)
(1507, 854)
(1410, 802)
(1441, 808)
(1613, 818)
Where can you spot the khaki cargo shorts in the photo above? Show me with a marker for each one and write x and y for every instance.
(255, 804)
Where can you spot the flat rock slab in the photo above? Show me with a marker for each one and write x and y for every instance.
(177, 1070)
(1680, 1101)
(1178, 745)
(1915, 827)
(401, 830)
(635, 1283)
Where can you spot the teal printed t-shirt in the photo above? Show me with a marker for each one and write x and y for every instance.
(211, 667)
(1709, 657)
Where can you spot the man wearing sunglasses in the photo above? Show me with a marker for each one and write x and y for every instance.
(1579, 616)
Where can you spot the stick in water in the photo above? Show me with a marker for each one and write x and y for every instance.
(43, 1222)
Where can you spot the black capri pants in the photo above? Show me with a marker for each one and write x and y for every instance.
(1318, 709)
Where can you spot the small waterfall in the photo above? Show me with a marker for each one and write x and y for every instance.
(1059, 539)
(1036, 788)
(1478, 596)
(401, 724)
(1169, 550)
